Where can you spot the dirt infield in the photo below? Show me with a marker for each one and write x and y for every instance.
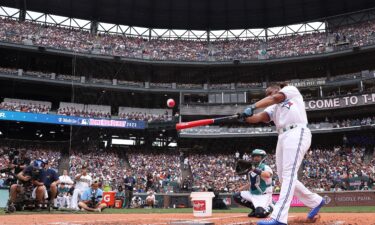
(159, 219)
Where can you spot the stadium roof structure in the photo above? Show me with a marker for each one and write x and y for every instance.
(195, 14)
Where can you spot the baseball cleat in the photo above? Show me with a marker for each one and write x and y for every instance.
(270, 221)
(314, 220)
(315, 211)
(10, 209)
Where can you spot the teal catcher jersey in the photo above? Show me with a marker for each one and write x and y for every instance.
(259, 186)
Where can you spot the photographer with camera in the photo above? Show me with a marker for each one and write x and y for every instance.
(20, 161)
(29, 180)
(91, 199)
(17, 162)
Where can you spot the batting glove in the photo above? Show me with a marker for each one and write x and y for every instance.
(249, 111)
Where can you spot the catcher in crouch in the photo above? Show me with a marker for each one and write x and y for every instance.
(257, 194)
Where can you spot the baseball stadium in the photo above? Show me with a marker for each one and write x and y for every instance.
(187, 112)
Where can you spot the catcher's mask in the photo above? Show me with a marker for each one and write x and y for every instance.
(258, 152)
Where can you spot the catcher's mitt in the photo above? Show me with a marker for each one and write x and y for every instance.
(243, 166)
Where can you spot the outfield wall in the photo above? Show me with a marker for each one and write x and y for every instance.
(343, 198)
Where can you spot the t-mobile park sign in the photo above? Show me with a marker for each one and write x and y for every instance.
(341, 102)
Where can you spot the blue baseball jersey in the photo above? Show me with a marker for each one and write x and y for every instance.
(48, 177)
(88, 194)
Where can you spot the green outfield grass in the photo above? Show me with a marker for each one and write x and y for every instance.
(347, 209)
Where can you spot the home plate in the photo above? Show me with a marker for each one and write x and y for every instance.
(191, 222)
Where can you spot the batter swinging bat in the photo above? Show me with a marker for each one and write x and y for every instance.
(204, 122)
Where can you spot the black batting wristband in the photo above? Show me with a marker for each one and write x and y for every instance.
(257, 171)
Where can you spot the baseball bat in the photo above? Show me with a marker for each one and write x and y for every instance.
(204, 122)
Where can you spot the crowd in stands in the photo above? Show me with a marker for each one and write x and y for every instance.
(71, 111)
(358, 34)
(338, 169)
(110, 168)
(145, 116)
(131, 83)
(220, 86)
(189, 86)
(249, 85)
(161, 85)
(76, 40)
(25, 107)
(8, 70)
(297, 45)
(215, 171)
(354, 122)
(107, 166)
(162, 168)
(323, 169)
(31, 152)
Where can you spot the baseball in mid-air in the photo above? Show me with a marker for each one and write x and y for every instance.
(171, 103)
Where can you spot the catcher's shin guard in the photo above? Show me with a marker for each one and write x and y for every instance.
(241, 201)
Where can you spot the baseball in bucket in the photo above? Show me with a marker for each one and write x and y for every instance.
(202, 203)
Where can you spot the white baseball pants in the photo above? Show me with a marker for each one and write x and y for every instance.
(291, 148)
(75, 198)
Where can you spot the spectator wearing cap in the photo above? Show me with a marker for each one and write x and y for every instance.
(91, 199)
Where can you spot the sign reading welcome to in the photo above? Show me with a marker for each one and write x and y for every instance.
(340, 102)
